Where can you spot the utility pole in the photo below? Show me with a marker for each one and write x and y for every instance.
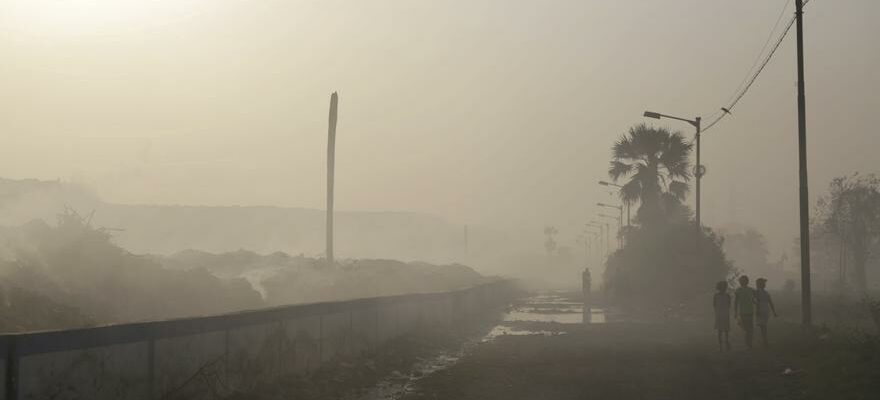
(595, 247)
(603, 232)
(587, 248)
(806, 306)
(628, 219)
(600, 234)
(465, 240)
(619, 222)
(331, 166)
(698, 171)
(586, 240)
(607, 246)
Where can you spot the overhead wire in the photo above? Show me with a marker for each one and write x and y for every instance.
(761, 53)
(754, 73)
(751, 81)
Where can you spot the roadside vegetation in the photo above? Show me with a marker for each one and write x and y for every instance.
(72, 274)
(76, 265)
(666, 268)
(665, 262)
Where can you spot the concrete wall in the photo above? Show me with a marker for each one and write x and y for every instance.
(3, 377)
(117, 371)
(200, 357)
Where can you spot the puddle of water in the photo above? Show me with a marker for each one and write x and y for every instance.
(550, 299)
(398, 384)
(503, 330)
(553, 301)
(525, 316)
(542, 308)
(593, 316)
(552, 308)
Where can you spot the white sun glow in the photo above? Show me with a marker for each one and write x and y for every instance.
(87, 17)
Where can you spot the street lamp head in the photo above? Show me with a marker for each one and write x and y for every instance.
(650, 114)
(603, 183)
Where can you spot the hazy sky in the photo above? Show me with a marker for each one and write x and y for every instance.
(495, 112)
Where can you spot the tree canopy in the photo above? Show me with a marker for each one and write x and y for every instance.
(655, 162)
(851, 213)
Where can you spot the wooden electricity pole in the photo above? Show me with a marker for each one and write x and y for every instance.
(331, 164)
(806, 306)
(466, 244)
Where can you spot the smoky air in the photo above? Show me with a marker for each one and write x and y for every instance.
(460, 199)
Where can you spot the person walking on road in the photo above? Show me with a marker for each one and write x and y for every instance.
(765, 307)
(721, 303)
(744, 308)
(586, 283)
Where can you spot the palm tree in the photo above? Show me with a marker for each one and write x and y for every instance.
(656, 161)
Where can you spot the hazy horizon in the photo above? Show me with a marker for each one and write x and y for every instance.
(225, 103)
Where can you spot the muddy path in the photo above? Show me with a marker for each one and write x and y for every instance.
(550, 348)
(540, 315)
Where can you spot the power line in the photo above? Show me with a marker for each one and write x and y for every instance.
(753, 78)
(763, 49)
(754, 75)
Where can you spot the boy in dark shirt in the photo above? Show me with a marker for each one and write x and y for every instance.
(765, 306)
(721, 303)
(744, 308)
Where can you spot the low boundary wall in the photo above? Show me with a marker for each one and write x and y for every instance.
(183, 358)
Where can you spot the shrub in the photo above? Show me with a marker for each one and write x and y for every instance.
(663, 266)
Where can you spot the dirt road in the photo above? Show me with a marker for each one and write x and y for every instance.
(614, 360)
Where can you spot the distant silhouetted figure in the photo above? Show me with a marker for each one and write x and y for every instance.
(721, 303)
(586, 284)
(744, 308)
(765, 307)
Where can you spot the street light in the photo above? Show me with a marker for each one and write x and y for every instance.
(603, 228)
(619, 208)
(586, 240)
(594, 233)
(589, 237)
(616, 219)
(699, 170)
(595, 237)
(607, 226)
(603, 183)
(619, 222)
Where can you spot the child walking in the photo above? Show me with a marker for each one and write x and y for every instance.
(765, 306)
(721, 303)
(744, 308)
